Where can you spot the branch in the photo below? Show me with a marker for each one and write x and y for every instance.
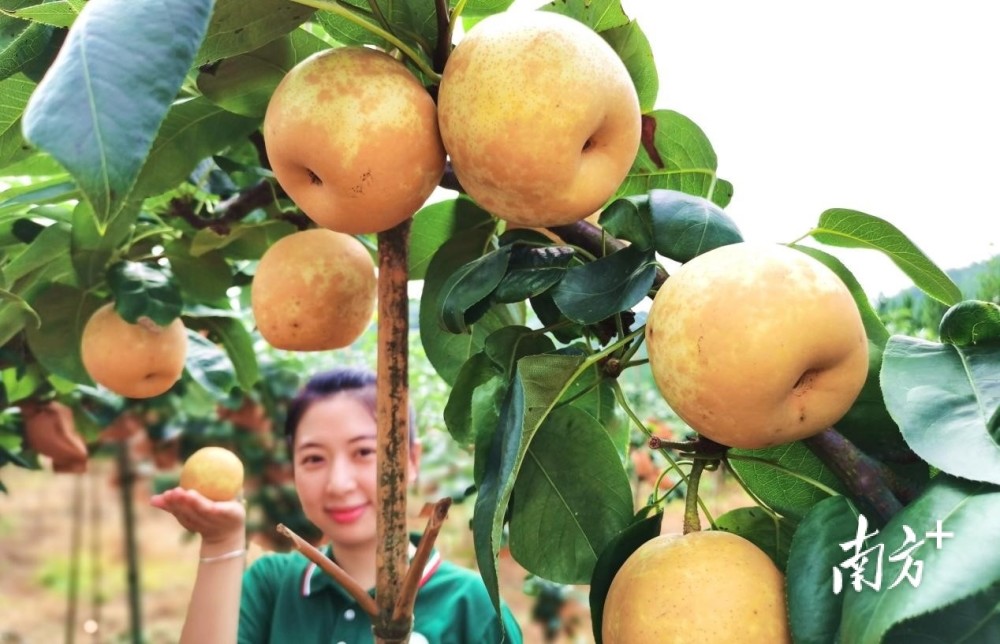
(444, 35)
(329, 567)
(596, 241)
(229, 211)
(408, 594)
(863, 476)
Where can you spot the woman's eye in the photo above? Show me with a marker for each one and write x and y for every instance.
(366, 452)
(310, 459)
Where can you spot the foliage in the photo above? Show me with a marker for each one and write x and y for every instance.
(143, 180)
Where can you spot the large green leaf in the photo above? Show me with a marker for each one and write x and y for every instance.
(945, 400)
(953, 569)
(474, 401)
(540, 382)
(631, 44)
(854, 229)
(238, 26)
(436, 223)
(560, 522)
(773, 535)
(193, 129)
(789, 478)
(447, 352)
(15, 314)
(64, 311)
(99, 106)
(813, 609)
(675, 154)
(606, 286)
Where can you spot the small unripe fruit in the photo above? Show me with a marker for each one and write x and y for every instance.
(214, 472)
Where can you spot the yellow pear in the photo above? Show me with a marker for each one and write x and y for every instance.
(756, 344)
(539, 116)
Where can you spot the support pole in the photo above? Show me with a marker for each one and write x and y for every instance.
(392, 416)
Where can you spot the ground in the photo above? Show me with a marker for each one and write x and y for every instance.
(42, 511)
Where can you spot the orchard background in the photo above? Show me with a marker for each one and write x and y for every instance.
(141, 178)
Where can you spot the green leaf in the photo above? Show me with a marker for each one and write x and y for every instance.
(464, 295)
(813, 609)
(51, 245)
(436, 223)
(560, 521)
(193, 129)
(629, 219)
(144, 290)
(60, 13)
(614, 555)
(609, 285)
(685, 226)
(206, 278)
(243, 84)
(675, 154)
(99, 106)
(64, 311)
(971, 322)
(632, 46)
(447, 352)
(474, 401)
(14, 315)
(972, 619)
(965, 564)
(210, 367)
(944, 399)
(93, 248)
(243, 241)
(854, 229)
(785, 477)
(22, 43)
(238, 26)
(539, 383)
(237, 342)
(483, 7)
(415, 21)
(532, 271)
(508, 345)
(599, 15)
(772, 535)
(14, 94)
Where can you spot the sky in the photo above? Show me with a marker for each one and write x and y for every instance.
(887, 107)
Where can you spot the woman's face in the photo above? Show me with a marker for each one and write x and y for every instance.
(335, 475)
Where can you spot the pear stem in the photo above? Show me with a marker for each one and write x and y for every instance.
(692, 522)
(334, 7)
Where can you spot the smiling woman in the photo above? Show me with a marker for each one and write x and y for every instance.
(331, 433)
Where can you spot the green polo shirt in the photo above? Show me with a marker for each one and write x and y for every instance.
(287, 598)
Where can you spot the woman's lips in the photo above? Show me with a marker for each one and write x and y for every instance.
(347, 515)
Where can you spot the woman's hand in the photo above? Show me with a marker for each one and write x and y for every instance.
(220, 523)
